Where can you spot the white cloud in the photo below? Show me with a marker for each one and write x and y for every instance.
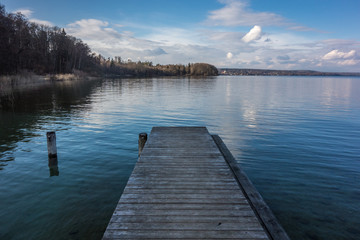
(336, 54)
(88, 25)
(253, 34)
(96, 33)
(171, 35)
(177, 45)
(28, 13)
(339, 58)
(237, 13)
(348, 62)
(162, 46)
(257, 48)
(282, 49)
(41, 22)
(182, 45)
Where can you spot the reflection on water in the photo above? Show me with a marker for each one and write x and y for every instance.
(296, 137)
(56, 101)
(334, 91)
(53, 166)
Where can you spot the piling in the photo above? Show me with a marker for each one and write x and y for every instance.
(51, 144)
(142, 141)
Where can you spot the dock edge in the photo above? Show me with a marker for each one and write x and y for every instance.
(266, 217)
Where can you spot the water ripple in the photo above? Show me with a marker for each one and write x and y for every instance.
(297, 139)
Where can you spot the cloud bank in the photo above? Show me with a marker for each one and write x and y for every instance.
(252, 49)
(336, 54)
(238, 13)
(222, 39)
(338, 57)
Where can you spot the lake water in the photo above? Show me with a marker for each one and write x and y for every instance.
(298, 139)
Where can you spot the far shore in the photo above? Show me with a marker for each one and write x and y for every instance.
(28, 80)
(267, 72)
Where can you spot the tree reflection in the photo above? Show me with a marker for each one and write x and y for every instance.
(57, 100)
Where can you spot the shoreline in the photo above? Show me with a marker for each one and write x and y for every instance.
(24, 81)
(267, 72)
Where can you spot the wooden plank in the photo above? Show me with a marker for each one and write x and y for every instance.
(185, 174)
(178, 234)
(182, 175)
(195, 185)
(182, 164)
(181, 171)
(184, 219)
(189, 213)
(169, 206)
(185, 226)
(182, 188)
(181, 201)
(198, 186)
(235, 195)
(197, 179)
(219, 191)
(173, 143)
(146, 158)
(205, 152)
(189, 168)
(175, 161)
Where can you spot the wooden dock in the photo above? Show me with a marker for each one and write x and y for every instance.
(187, 185)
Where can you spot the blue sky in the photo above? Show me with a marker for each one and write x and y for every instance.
(307, 34)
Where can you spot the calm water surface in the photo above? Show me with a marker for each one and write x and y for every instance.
(298, 139)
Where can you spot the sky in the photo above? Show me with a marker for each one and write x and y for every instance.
(322, 35)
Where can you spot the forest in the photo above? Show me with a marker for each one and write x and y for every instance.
(40, 49)
(29, 47)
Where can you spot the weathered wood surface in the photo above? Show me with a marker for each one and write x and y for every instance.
(142, 141)
(51, 144)
(182, 188)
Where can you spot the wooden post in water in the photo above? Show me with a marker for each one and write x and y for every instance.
(142, 141)
(51, 144)
(52, 154)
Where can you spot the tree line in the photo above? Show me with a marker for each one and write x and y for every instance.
(118, 67)
(27, 46)
(41, 49)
